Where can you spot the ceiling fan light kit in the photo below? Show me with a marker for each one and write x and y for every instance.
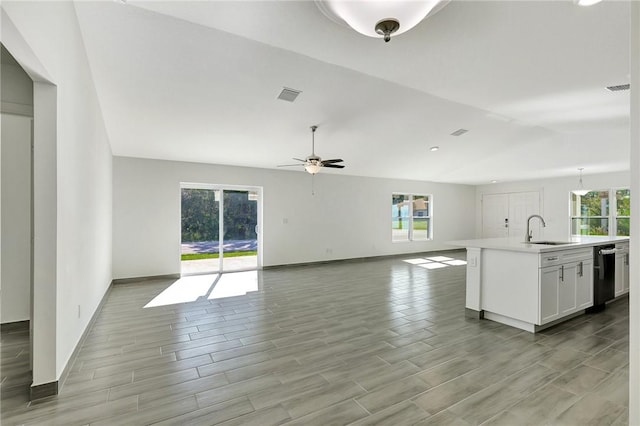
(313, 164)
(312, 167)
(379, 18)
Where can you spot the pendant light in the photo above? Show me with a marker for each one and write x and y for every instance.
(581, 191)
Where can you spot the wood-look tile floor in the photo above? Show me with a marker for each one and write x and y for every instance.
(372, 342)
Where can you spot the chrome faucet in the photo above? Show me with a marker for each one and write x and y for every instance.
(527, 237)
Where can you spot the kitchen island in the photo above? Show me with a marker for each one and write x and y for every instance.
(534, 285)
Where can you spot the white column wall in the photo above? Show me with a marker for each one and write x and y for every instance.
(348, 216)
(45, 232)
(80, 158)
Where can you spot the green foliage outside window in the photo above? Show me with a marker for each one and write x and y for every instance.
(200, 215)
(623, 211)
(591, 213)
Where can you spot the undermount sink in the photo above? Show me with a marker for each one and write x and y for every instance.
(549, 243)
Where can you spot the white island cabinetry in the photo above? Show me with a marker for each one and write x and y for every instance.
(532, 286)
(566, 283)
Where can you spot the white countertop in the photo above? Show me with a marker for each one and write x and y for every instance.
(516, 244)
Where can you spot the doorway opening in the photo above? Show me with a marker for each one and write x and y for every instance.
(220, 228)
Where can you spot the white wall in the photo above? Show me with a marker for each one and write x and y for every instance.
(16, 88)
(82, 165)
(16, 91)
(16, 218)
(555, 198)
(349, 215)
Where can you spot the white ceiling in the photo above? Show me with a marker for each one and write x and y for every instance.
(198, 81)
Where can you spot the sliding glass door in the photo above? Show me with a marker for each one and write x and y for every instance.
(239, 246)
(219, 228)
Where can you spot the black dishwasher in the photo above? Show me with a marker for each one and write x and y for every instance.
(604, 265)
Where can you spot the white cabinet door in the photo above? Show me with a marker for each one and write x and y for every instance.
(622, 269)
(567, 288)
(625, 285)
(549, 286)
(584, 284)
(619, 274)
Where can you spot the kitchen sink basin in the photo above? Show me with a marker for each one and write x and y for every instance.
(550, 243)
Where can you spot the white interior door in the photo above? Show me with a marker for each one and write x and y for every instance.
(495, 215)
(505, 215)
(521, 206)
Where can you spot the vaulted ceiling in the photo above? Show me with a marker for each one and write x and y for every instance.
(198, 81)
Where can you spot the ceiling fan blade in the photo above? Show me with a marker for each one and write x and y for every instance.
(335, 160)
(290, 165)
(297, 159)
(333, 166)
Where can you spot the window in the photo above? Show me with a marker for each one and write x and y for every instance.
(600, 212)
(590, 213)
(622, 212)
(410, 217)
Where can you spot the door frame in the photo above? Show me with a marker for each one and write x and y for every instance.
(222, 188)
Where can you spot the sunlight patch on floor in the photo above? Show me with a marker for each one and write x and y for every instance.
(440, 258)
(416, 261)
(435, 262)
(433, 265)
(235, 284)
(183, 290)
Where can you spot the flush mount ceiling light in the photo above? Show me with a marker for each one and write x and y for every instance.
(379, 18)
(586, 2)
(434, 148)
(581, 191)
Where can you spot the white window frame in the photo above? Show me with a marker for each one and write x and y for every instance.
(410, 236)
(612, 217)
(614, 211)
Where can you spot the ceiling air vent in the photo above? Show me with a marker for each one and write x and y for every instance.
(288, 94)
(618, 88)
(459, 132)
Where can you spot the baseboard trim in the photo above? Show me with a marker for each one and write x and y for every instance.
(359, 259)
(473, 314)
(52, 388)
(43, 391)
(148, 278)
(9, 327)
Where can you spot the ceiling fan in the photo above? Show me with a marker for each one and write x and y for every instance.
(313, 164)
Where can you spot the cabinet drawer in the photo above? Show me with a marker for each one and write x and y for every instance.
(564, 256)
(622, 247)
